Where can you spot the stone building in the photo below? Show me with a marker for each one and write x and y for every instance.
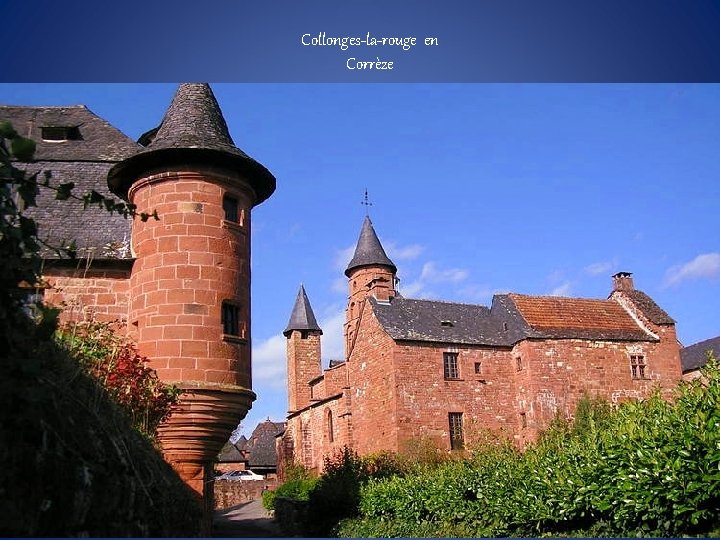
(694, 357)
(443, 371)
(180, 284)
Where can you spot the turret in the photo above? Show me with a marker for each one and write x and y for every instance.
(370, 273)
(303, 352)
(190, 284)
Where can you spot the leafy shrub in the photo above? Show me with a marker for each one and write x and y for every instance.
(647, 468)
(115, 363)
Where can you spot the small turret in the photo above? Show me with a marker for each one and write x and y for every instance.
(302, 317)
(370, 273)
(303, 352)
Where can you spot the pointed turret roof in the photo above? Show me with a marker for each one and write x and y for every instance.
(193, 131)
(302, 317)
(369, 251)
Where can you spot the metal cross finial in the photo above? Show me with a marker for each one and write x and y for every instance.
(366, 203)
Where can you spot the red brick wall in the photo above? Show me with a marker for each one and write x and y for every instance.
(303, 354)
(425, 397)
(376, 281)
(371, 380)
(309, 431)
(188, 263)
(100, 294)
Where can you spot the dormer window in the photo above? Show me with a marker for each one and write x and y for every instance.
(446, 324)
(60, 133)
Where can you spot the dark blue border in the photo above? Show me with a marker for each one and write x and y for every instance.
(260, 41)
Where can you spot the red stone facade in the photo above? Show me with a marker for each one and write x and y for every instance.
(393, 390)
(88, 292)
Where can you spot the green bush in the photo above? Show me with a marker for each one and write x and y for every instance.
(648, 468)
(298, 486)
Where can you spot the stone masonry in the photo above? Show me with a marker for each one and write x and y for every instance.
(450, 373)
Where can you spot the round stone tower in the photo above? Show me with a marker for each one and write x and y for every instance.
(190, 285)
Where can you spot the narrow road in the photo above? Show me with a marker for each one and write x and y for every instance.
(246, 520)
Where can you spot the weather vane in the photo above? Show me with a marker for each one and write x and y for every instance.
(366, 203)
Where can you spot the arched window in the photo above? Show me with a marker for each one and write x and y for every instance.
(329, 426)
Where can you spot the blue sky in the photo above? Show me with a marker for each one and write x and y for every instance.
(476, 189)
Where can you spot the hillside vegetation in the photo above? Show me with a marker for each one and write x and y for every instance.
(71, 461)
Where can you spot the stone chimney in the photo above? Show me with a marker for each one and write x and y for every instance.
(623, 281)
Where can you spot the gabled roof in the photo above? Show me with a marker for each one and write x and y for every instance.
(193, 131)
(260, 447)
(230, 454)
(694, 356)
(96, 139)
(369, 251)
(582, 318)
(513, 317)
(302, 316)
(650, 309)
(445, 322)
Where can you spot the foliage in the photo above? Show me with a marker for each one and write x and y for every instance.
(337, 492)
(298, 485)
(648, 468)
(70, 463)
(115, 363)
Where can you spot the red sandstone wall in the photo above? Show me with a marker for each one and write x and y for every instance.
(188, 263)
(310, 432)
(335, 379)
(303, 366)
(425, 397)
(556, 374)
(371, 376)
(375, 281)
(89, 293)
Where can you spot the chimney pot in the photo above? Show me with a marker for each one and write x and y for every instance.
(623, 281)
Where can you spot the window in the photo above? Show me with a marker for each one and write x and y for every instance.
(231, 320)
(230, 206)
(637, 366)
(457, 439)
(450, 365)
(478, 368)
(518, 363)
(60, 133)
(331, 435)
(523, 420)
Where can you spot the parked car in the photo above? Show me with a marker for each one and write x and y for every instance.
(241, 475)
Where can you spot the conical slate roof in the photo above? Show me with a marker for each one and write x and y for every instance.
(193, 131)
(302, 317)
(369, 251)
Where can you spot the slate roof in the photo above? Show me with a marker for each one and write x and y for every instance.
(193, 130)
(369, 251)
(513, 317)
(582, 318)
(422, 320)
(693, 356)
(85, 162)
(98, 140)
(302, 316)
(230, 454)
(260, 447)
